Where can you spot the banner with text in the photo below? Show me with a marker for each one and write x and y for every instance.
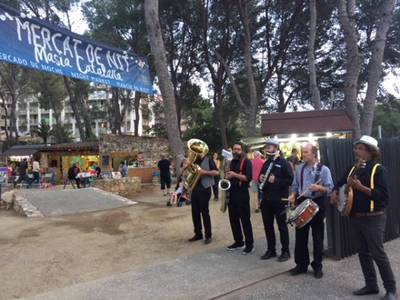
(33, 43)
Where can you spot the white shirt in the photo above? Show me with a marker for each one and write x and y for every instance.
(35, 166)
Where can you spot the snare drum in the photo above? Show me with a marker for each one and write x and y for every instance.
(303, 213)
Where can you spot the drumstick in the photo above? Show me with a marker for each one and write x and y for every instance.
(305, 192)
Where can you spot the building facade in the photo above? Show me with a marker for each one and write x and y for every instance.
(30, 115)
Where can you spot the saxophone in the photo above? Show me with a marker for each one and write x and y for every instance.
(196, 149)
(224, 184)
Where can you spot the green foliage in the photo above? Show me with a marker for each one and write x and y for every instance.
(61, 134)
(388, 116)
(50, 90)
(44, 131)
(201, 125)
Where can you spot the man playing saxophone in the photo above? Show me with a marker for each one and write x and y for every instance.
(276, 176)
(200, 198)
(239, 200)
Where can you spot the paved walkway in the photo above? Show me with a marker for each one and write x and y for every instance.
(60, 202)
(225, 275)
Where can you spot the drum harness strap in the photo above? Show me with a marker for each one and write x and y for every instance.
(241, 170)
(316, 179)
(372, 183)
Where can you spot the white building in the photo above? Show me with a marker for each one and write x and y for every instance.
(30, 115)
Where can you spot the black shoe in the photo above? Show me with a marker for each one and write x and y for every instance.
(235, 246)
(207, 240)
(366, 290)
(390, 296)
(284, 256)
(318, 273)
(268, 255)
(248, 250)
(195, 238)
(297, 271)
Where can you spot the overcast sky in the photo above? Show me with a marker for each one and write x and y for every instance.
(79, 25)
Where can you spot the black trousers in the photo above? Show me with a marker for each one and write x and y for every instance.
(301, 254)
(215, 186)
(272, 209)
(165, 180)
(368, 234)
(200, 200)
(239, 215)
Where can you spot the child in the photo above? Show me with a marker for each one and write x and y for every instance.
(179, 196)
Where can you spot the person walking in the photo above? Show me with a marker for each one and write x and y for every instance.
(164, 165)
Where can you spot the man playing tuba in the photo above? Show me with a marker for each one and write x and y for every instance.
(201, 189)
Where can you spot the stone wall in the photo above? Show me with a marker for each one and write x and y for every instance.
(150, 147)
(10, 200)
(124, 187)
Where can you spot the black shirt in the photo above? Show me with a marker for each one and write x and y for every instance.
(163, 165)
(247, 171)
(361, 201)
(283, 179)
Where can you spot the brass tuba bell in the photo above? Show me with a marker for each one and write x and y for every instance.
(196, 149)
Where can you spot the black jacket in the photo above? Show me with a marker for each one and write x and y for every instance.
(283, 179)
(361, 201)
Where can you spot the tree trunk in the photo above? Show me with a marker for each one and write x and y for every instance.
(353, 64)
(375, 65)
(167, 89)
(253, 101)
(87, 120)
(315, 96)
(75, 108)
(221, 118)
(115, 112)
(137, 112)
(13, 109)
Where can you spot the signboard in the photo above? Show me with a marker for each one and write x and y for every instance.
(37, 44)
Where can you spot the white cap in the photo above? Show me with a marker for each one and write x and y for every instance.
(368, 140)
(272, 142)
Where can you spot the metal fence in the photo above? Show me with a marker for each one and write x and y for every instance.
(338, 155)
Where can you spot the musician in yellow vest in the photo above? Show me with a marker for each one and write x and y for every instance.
(367, 216)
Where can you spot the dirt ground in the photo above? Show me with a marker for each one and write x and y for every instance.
(42, 254)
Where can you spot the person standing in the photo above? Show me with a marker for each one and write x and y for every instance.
(36, 171)
(294, 159)
(313, 181)
(164, 166)
(275, 178)
(200, 199)
(255, 196)
(368, 217)
(239, 176)
(22, 176)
